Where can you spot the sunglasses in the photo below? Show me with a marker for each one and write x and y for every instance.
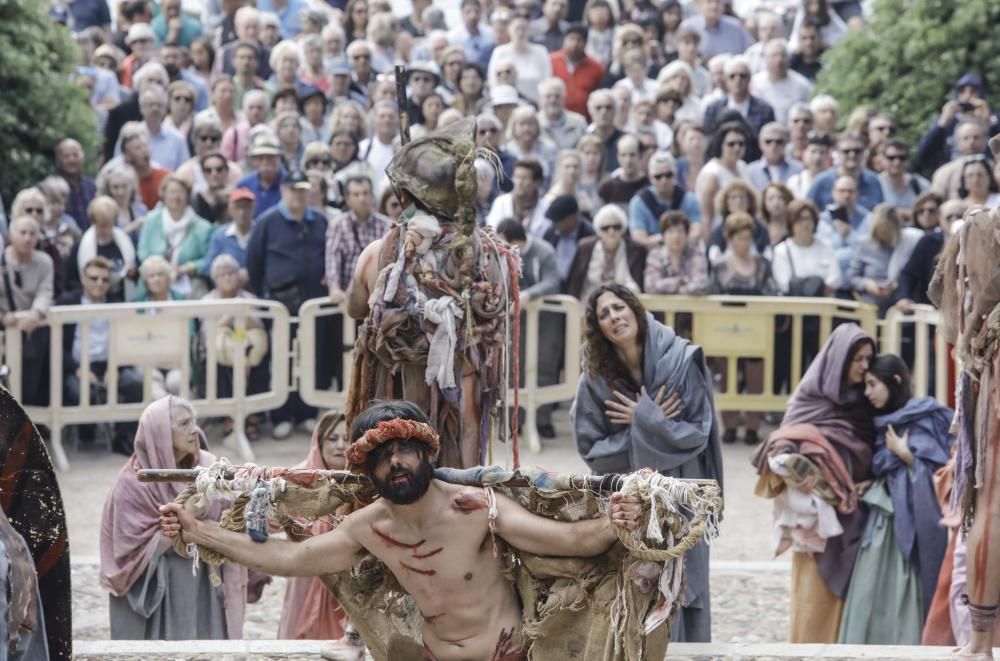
(320, 161)
(612, 228)
(895, 157)
(185, 99)
(663, 175)
(739, 76)
(854, 151)
(210, 138)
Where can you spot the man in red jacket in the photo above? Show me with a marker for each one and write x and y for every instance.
(581, 73)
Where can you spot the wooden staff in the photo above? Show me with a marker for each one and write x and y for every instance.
(599, 483)
(404, 105)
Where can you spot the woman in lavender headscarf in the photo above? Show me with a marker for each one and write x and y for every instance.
(829, 421)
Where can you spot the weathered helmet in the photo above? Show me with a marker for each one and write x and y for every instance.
(437, 170)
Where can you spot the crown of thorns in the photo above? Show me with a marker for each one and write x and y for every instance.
(391, 430)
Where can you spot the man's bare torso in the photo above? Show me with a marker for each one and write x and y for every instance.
(447, 565)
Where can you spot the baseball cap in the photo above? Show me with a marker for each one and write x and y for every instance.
(295, 179)
(265, 144)
(242, 194)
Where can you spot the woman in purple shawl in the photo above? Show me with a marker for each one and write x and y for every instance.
(831, 399)
(153, 594)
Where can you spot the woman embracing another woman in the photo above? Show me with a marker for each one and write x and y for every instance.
(811, 467)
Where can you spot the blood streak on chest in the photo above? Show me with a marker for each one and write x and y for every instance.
(468, 502)
(391, 541)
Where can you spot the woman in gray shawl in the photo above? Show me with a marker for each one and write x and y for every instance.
(645, 401)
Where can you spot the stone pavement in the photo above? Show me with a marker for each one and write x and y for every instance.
(749, 591)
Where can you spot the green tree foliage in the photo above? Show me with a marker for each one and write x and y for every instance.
(39, 102)
(908, 57)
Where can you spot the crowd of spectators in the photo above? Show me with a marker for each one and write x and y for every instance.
(670, 147)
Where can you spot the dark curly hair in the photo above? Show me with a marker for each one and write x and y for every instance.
(600, 358)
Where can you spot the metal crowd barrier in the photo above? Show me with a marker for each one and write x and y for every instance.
(731, 328)
(532, 395)
(150, 335)
(147, 336)
(928, 345)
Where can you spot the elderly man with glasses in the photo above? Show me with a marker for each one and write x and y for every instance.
(900, 188)
(755, 111)
(852, 148)
(602, 106)
(773, 165)
(662, 195)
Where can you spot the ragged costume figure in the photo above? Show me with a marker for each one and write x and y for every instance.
(966, 288)
(442, 320)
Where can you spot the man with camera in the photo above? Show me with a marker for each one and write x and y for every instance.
(844, 222)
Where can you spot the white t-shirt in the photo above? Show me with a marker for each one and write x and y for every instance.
(818, 259)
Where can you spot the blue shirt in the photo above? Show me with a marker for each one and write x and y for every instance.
(843, 247)
(761, 174)
(290, 17)
(89, 13)
(190, 29)
(640, 217)
(266, 198)
(869, 189)
(168, 148)
(729, 36)
(225, 241)
(283, 250)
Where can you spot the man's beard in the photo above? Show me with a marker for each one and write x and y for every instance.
(409, 491)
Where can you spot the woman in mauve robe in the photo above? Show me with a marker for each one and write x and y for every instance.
(831, 399)
(310, 610)
(682, 442)
(153, 594)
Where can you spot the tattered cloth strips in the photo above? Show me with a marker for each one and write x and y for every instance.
(613, 607)
(445, 304)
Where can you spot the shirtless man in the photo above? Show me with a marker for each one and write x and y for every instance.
(435, 537)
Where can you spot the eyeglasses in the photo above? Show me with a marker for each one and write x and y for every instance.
(34, 210)
(216, 170)
(325, 162)
(895, 157)
(852, 151)
(99, 279)
(774, 141)
(736, 144)
(739, 76)
(185, 99)
(663, 175)
(612, 228)
(210, 138)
